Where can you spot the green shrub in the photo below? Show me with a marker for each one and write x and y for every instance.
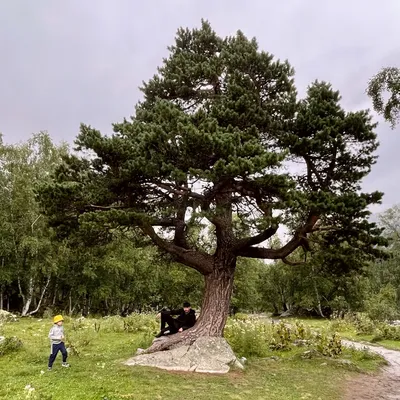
(386, 332)
(253, 337)
(339, 304)
(241, 317)
(364, 325)
(301, 331)
(363, 354)
(79, 323)
(339, 325)
(382, 306)
(142, 340)
(9, 345)
(114, 323)
(281, 337)
(48, 313)
(329, 346)
(249, 338)
(140, 323)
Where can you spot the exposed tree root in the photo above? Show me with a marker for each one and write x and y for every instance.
(170, 342)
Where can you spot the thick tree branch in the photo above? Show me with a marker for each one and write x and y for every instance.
(257, 239)
(299, 239)
(195, 259)
(296, 263)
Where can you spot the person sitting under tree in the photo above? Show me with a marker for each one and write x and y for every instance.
(185, 320)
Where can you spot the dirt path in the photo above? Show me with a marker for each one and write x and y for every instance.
(385, 386)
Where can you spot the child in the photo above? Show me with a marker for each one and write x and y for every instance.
(56, 336)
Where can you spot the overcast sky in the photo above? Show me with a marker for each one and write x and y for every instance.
(62, 63)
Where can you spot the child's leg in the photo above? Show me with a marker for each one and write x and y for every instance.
(64, 352)
(55, 348)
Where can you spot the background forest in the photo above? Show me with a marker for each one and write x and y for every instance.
(89, 273)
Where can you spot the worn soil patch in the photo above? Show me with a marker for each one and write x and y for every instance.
(385, 386)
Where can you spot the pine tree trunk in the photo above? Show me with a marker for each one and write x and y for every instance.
(215, 307)
(214, 310)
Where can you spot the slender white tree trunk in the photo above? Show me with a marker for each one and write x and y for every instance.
(26, 299)
(317, 295)
(55, 295)
(41, 297)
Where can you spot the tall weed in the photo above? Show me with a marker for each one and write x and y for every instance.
(253, 337)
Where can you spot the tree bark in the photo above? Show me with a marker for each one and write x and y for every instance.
(216, 301)
(214, 310)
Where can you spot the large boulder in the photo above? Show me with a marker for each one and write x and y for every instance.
(211, 355)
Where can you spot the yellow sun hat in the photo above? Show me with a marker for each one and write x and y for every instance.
(58, 318)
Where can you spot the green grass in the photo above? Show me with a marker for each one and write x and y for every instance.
(98, 373)
(389, 344)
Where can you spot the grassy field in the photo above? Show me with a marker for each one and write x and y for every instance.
(97, 372)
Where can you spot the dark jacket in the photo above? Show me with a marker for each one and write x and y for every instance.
(185, 320)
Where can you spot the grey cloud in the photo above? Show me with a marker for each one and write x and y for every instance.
(63, 63)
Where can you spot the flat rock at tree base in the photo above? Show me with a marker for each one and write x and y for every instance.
(211, 355)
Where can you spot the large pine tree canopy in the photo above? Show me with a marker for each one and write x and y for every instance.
(221, 136)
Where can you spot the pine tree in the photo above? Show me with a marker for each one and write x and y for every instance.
(211, 142)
